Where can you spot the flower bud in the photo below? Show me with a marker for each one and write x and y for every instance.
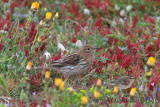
(48, 15)
(57, 15)
(61, 87)
(133, 92)
(96, 94)
(86, 11)
(29, 66)
(99, 82)
(151, 61)
(115, 91)
(61, 47)
(57, 82)
(84, 100)
(149, 73)
(41, 23)
(47, 55)
(79, 43)
(122, 12)
(35, 5)
(39, 39)
(47, 75)
(129, 8)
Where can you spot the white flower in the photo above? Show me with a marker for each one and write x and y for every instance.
(121, 21)
(129, 8)
(117, 7)
(122, 12)
(47, 55)
(79, 43)
(113, 23)
(61, 47)
(86, 11)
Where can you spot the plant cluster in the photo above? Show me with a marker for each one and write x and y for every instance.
(34, 34)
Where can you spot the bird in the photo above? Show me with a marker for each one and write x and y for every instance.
(124, 82)
(73, 64)
(76, 63)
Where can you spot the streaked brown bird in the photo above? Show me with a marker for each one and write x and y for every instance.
(76, 63)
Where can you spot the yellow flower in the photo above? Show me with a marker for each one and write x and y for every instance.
(96, 94)
(84, 100)
(151, 61)
(149, 73)
(48, 15)
(99, 82)
(61, 87)
(39, 39)
(47, 76)
(35, 5)
(57, 15)
(133, 92)
(41, 22)
(29, 66)
(57, 82)
(115, 91)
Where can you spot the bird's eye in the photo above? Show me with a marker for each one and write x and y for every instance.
(88, 48)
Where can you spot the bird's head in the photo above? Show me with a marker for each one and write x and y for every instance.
(87, 52)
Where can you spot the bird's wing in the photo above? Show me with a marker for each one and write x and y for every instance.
(71, 59)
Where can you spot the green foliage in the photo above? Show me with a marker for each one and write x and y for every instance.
(120, 38)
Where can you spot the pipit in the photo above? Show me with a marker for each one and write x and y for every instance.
(76, 63)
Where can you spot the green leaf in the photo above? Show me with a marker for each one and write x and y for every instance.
(2, 81)
(120, 38)
(142, 24)
(102, 59)
(22, 95)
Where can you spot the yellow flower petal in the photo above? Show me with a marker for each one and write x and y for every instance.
(99, 82)
(57, 82)
(115, 91)
(61, 87)
(47, 75)
(57, 15)
(35, 5)
(149, 73)
(84, 100)
(96, 94)
(151, 61)
(133, 92)
(41, 22)
(48, 15)
(29, 66)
